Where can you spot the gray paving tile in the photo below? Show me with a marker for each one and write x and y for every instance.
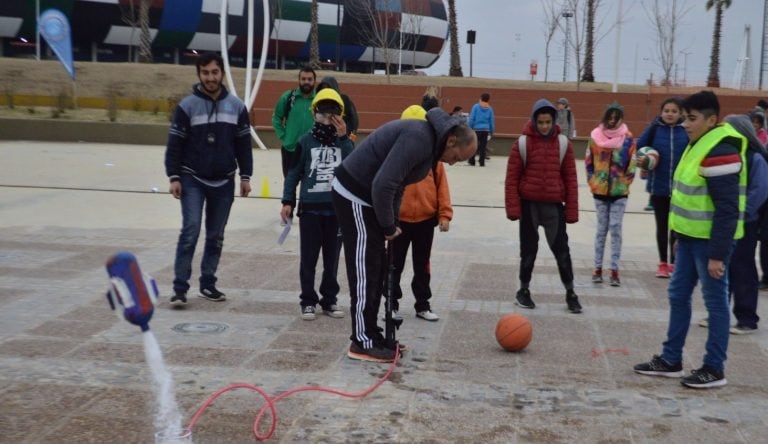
(72, 368)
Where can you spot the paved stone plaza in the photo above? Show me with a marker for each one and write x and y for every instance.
(71, 371)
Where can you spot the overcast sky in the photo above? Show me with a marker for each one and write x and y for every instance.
(510, 34)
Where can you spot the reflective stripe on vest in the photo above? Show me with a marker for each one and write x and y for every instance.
(691, 207)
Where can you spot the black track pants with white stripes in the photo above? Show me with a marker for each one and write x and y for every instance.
(364, 256)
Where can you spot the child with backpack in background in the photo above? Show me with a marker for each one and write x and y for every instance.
(667, 136)
(541, 189)
(610, 163)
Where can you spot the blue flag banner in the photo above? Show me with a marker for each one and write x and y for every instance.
(54, 27)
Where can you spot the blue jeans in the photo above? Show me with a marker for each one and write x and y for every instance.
(690, 268)
(217, 202)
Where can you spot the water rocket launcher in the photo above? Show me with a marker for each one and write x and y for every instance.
(135, 292)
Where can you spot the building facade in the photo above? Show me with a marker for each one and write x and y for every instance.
(358, 35)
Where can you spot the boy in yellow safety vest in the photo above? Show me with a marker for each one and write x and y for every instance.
(707, 215)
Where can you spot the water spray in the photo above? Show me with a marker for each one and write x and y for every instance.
(136, 295)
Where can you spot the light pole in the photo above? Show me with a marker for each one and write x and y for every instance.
(338, 35)
(685, 66)
(566, 15)
(37, 29)
(615, 87)
(471, 42)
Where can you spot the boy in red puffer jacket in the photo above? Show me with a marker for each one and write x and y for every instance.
(541, 190)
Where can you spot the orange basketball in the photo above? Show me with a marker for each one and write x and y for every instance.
(514, 332)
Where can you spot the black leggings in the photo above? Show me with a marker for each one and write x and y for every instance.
(665, 241)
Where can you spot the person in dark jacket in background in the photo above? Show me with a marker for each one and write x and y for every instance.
(366, 196)
(351, 118)
(667, 136)
(565, 119)
(209, 139)
(318, 153)
(541, 189)
(743, 280)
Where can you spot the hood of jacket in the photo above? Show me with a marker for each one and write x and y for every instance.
(331, 81)
(743, 124)
(541, 105)
(441, 123)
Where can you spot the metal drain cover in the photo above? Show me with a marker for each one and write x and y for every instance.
(200, 327)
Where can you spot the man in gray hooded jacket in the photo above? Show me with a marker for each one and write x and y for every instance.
(366, 197)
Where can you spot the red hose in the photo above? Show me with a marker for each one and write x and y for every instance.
(270, 402)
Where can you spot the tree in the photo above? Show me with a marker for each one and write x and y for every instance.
(412, 28)
(276, 11)
(589, 52)
(314, 45)
(138, 18)
(713, 80)
(578, 38)
(145, 42)
(377, 26)
(665, 18)
(552, 10)
(455, 70)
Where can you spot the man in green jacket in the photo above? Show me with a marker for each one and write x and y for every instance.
(292, 117)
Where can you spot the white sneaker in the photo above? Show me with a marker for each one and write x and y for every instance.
(427, 315)
(742, 330)
(396, 316)
(333, 311)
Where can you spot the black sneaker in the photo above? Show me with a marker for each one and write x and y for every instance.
(179, 299)
(572, 301)
(374, 354)
(659, 367)
(705, 377)
(524, 298)
(308, 313)
(212, 294)
(615, 281)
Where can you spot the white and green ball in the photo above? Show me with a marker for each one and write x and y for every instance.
(647, 158)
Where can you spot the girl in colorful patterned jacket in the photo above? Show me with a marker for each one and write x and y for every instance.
(610, 162)
(667, 136)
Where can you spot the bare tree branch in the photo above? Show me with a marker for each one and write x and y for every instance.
(552, 10)
(380, 26)
(665, 18)
(412, 28)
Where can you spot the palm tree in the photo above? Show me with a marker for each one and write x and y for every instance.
(455, 70)
(713, 80)
(589, 51)
(314, 44)
(145, 40)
